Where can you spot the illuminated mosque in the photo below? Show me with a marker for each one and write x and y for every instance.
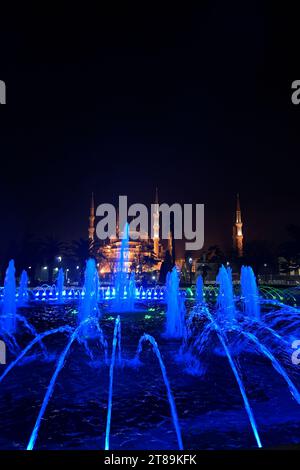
(146, 255)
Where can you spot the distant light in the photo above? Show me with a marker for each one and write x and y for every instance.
(98, 264)
(45, 267)
(59, 258)
(29, 267)
(56, 269)
(265, 265)
(228, 263)
(77, 267)
(190, 260)
(153, 277)
(67, 270)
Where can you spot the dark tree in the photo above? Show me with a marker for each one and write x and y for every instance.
(51, 248)
(215, 255)
(166, 267)
(29, 256)
(290, 249)
(83, 249)
(258, 254)
(203, 269)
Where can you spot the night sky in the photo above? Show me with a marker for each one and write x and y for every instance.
(195, 101)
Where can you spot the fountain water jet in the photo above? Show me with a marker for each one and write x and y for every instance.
(248, 409)
(37, 339)
(225, 301)
(249, 291)
(10, 341)
(60, 285)
(175, 307)
(121, 276)
(111, 378)
(125, 289)
(275, 363)
(131, 292)
(156, 350)
(32, 330)
(23, 293)
(119, 344)
(229, 272)
(88, 304)
(199, 289)
(8, 314)
(50, 388)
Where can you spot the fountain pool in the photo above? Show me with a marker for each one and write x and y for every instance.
(209, 406)
(226, 382)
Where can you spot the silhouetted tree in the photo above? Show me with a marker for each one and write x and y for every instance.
(215, 255)
(29, 256)
(83, 249)
(51, 248)
(290, 249)
(166, 267)
(258, 253)
(203, 269)
(148, 261)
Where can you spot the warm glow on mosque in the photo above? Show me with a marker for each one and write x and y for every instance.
(144, 254)
(238, 230)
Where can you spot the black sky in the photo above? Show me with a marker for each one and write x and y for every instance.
(194, 100)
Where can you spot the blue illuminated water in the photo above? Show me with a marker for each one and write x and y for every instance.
(60, 285)
(131, 293)
(224, 342)
(125, 286)
(88, 306)
(156, 350)
(210, 409)
(60, 364)
(23, 289)
(205, 376)
(249, 293)
(111, 377)
(175, 306)
(9, 309)
(225, 301)
(199, 289)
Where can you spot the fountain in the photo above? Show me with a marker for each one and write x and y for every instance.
(131, 292)
(60, 285)
(121, 275)
(199, 289)
(229, 272)
(37, 339)
(97, 286)
(249, 293)
(211, 335)
(175, 306)
(125, 288)
(23, 288)
(238, 378)
(60, 364)
(8, 314)
(151, 340)
(88, 306)
(116, 339)
(225, 301)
